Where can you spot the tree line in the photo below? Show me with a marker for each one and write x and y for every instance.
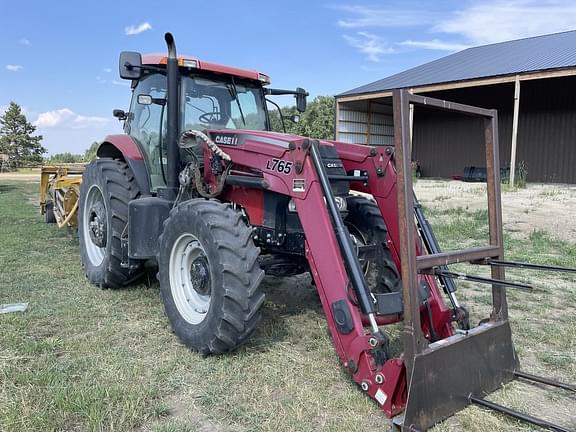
(24, 148)
(67, 157)
(316, 122)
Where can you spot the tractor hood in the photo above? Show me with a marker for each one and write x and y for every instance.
(276, 144)
(234, 137)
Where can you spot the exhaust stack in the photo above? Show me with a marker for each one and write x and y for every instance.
(173, 130)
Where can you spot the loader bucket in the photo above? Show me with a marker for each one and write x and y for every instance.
(448, 372)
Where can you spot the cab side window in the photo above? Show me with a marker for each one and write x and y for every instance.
(147, 125)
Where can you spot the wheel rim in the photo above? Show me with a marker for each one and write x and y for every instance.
(190, 281)
(359, 240)
(94, 222)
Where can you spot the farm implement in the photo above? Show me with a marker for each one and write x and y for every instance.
(200, 185)
(59, 193)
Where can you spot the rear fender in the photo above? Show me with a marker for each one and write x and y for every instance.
(123, 147)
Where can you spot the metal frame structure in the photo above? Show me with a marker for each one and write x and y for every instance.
(412, 265)
(485, 355)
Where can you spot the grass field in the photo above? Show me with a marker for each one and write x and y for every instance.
(81, 358)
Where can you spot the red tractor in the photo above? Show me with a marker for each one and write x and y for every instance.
(200, 184)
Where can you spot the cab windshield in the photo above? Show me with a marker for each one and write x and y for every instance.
(222, 104)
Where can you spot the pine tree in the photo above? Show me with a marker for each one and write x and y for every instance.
(16, 139)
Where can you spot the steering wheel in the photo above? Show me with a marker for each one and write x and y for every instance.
(214, 117)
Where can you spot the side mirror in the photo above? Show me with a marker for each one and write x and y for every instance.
(120, 114)
(301, 99)
(130, 65)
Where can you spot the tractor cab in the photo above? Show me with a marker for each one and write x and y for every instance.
(210, 97)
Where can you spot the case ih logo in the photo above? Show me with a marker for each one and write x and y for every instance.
(226, 139)
(334, 165)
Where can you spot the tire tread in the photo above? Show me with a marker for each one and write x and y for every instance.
(241, 276)
(120, 189)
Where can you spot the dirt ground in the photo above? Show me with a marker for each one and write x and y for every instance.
(27, 177)
(545, 207)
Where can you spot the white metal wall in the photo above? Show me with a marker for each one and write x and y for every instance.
(368, 124)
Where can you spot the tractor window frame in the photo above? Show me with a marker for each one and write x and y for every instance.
(154, 157)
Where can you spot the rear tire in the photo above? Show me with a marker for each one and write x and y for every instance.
(366, 224)
(108, 185)
(209, 276)
(49, 215)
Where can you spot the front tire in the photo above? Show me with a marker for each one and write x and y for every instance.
(108, 185)
(209, 276)
(367, 227)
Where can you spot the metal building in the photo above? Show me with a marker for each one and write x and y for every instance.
(531, 82)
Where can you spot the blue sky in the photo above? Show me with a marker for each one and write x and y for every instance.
(58, 60)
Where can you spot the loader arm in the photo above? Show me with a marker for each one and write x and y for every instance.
(440, 371)
(356, 346)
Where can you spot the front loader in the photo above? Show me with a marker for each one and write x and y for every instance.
(201, 186)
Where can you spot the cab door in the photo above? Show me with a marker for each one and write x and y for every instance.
(147, 125)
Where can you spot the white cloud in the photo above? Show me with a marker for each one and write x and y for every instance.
(66, 118)
(369, 44)
(114, 82)
(13, 68)
(502, 20)
(107, 70)
(137, 29)
(24, 41)
(365, 16)
(434, 44)
(476, 22)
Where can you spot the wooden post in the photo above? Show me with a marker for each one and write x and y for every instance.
(514, 130)
(369, 122)
(411, 127)
(337, 121)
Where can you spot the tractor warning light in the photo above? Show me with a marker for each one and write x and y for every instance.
(192, 64)
(264, 78)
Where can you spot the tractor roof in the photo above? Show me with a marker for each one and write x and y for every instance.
(193, 62)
